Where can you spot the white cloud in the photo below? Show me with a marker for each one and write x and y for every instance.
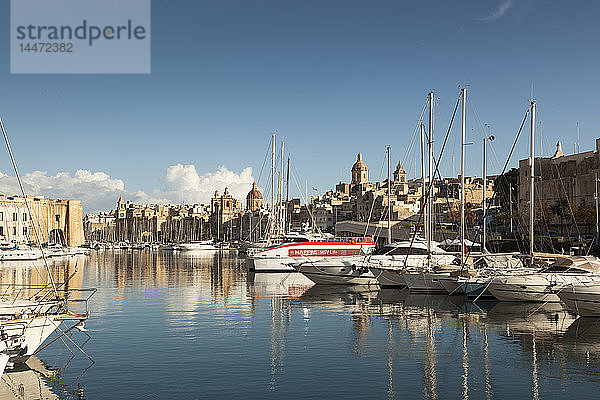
(92, 188)
(98, 191)
(182, 183)
(500, 11)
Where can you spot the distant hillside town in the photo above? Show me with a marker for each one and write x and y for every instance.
(565, 191)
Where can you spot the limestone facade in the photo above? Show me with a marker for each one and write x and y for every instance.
(57, 221)
(570, 179)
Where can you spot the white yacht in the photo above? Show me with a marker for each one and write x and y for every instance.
(19, 253)
(25, 325)
(543, 286)
(583, 298)
(304, 248)
(201, 245)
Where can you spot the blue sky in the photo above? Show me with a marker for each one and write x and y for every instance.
(332, 77)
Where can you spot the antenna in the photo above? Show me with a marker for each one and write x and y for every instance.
(531, 99)
(578, 149)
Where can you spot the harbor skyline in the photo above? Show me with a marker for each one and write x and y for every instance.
(333, 80)
(293, 197)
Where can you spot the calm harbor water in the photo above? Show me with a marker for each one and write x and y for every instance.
(192, 326)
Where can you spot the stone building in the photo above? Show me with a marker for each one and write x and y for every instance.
(222, 219)
(565, 182)
(58, 221)
(137, 223)
(473, 190)
(223, 209)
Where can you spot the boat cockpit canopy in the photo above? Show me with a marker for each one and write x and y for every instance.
(577, 264)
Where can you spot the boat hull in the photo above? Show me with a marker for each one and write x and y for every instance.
(272, 264)
(473, 288)
(583, 300)
(520, 292)
(340, 274)
(389, 277)
(34, 332)
(451, 285)
(196, 247)
(532, 287)
(425, 282)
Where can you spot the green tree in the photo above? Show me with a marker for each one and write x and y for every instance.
(502, 187)
(562, 209)
(585, 214)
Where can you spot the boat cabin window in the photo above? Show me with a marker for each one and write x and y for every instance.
(400, 251)
(297, 240)
(577, 265)
(382, 251)
(566, 268)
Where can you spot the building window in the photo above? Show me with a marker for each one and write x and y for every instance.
(24, 216)
(57, 218)
(1, 216)
(14, 231)
(15, 217)
(24, 231)
(1, 231)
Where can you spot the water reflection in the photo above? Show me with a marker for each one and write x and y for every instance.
(24, 279)
(189, 315)
(426, 318)
(28, 381)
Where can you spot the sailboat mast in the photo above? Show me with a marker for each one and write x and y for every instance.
(532, 181)
(423, 185)
(273, 183)
(287, 194)
(281, 221)
(462, 175)
(431, 176)
(389, 233)
(484, 202)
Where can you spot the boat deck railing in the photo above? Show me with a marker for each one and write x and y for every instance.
(73, 300)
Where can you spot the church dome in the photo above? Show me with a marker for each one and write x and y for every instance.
(359, 162)
(254, 192)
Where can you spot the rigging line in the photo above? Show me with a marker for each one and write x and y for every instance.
(445, 187)
(481, 126)
(430, 186)
(37, 236)
(502, 174)
(571, 210)
(312, 218)
(377, 229)
(420, 120)
(264, 161)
